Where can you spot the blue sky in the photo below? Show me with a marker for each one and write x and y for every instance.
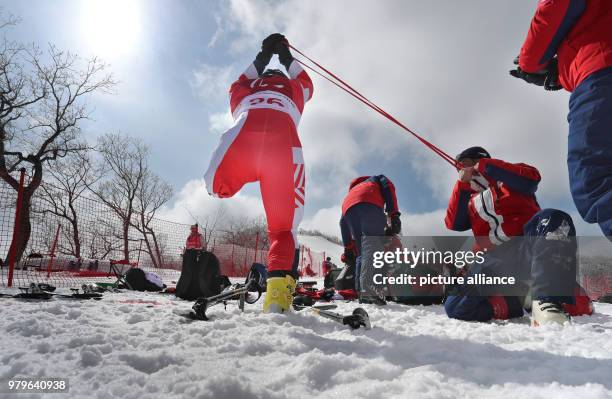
(439, 66)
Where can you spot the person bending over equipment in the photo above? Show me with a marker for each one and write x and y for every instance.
(363, 214)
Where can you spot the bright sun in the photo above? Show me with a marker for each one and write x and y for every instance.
(111, 28)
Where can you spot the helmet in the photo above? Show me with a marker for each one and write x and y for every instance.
(273, 72)
(473, 153)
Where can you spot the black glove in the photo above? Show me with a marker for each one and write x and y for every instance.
(261, 61)
(268, 48)
(551, 83)
(284, 55)
(396, 225)
(547, 77)
(268, 45)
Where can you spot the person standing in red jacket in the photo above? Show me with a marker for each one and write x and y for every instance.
(194, 241)
(496, 200)
(371, 200)
(263, 145)
(569, 45)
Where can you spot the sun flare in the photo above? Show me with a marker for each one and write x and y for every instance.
(111, 28)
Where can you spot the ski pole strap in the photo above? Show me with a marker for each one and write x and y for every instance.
(353, 92)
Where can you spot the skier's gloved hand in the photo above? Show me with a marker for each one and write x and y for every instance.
(284, 55)
(547, 77)
(551, 83)
(466, 174)
(268, 45)
(395, 225)
(261, 61)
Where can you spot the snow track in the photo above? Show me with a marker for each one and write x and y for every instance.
(134, 345)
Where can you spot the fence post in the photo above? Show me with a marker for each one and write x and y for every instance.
(16, 228)
(139, 251)
(246, 255)
(233, 264)
(256, 247)
(52, 254)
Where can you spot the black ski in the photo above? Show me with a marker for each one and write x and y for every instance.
(35, 291)
(86, 294)
(44, 291)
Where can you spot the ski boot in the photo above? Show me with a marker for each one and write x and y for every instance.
(373, 295)
(543, 312)
(279, 294)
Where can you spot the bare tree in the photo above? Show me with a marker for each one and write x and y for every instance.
(123, 165)
(210, 224)
(244, 231)
(61, 193)
(42, 105)
(101, 240)
(151, 195)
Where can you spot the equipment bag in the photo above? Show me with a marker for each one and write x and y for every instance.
(200, 276)
(331, 277)
(139, 280)
(346, 278)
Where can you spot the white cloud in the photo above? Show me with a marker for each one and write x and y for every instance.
(220, 122)
(325, 220)
(426, 224)
(194, 200)
(211, 83)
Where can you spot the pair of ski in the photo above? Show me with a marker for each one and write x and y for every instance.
(44, 291)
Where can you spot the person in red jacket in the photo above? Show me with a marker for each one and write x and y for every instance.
(371, 200)
(496, 200)
(569, 45)
(493, 198)
(263, 145)
(194, 241)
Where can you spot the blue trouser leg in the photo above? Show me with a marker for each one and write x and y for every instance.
(469, 308)
(589, 157)
(547, 254)
(364, 219)
(550, 249)
(471, 302)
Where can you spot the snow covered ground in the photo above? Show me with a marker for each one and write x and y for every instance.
(134, 345)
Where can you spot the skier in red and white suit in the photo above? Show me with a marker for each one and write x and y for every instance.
(263, 145)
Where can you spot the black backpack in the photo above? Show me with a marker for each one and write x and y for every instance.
(200, 276)
(136, 279)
